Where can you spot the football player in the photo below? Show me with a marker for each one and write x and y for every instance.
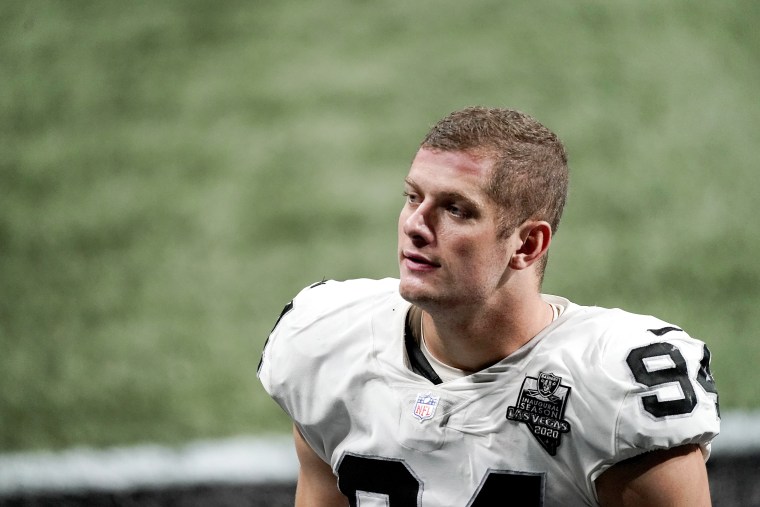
(460, 383)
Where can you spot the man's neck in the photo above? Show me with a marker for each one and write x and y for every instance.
(474, 338)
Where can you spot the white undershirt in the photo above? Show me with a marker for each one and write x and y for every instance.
(446, 372)
(443, 370)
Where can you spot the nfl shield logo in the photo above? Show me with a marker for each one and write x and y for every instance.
(424, 407)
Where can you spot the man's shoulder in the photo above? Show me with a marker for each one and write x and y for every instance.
(647, 375)
(618, 324)
(615, 338)
(323, 340)
(353, 288)
(331, 316)
(331, 296)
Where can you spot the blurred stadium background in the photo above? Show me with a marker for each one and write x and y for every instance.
(172, 172)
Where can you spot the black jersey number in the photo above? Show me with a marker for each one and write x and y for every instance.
(395, 481)
(648, 368)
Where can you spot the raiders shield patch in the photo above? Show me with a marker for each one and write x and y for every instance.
(541, 405)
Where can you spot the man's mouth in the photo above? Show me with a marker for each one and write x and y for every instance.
(420, 260)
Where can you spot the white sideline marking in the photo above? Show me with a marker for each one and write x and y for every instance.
(739, 434)
(240, 460)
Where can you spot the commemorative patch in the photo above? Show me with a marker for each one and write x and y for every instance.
(424, 407)
(541, 405)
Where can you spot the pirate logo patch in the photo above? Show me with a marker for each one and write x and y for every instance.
(424, 407)
(541, 405)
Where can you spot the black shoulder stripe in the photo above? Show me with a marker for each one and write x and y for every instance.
(664, 330)
(289, 306)
(284, 311)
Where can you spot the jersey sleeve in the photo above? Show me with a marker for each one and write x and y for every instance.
(293, 357)
(267, 368)
(316, 353)
(669, 395)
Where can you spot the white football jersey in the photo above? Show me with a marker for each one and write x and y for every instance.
(593, 388)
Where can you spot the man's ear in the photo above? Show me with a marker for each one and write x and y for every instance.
(536, 235)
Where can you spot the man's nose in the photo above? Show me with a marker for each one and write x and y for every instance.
(418, 226)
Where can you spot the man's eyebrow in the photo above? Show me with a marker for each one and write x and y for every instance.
(451, 195)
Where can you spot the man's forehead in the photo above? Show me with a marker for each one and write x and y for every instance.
(451, 174)
(465, 162)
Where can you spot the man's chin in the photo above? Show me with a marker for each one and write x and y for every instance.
(415, 294)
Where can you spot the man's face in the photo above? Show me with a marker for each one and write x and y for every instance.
(449, 248)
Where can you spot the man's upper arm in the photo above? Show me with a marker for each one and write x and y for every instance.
(675, 476)
(650, 359)
(317, 485)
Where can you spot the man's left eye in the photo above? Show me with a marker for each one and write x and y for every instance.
(456, 211)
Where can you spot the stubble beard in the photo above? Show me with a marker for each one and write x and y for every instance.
(436, 300)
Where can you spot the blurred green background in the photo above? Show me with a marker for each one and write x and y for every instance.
(173, 172)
